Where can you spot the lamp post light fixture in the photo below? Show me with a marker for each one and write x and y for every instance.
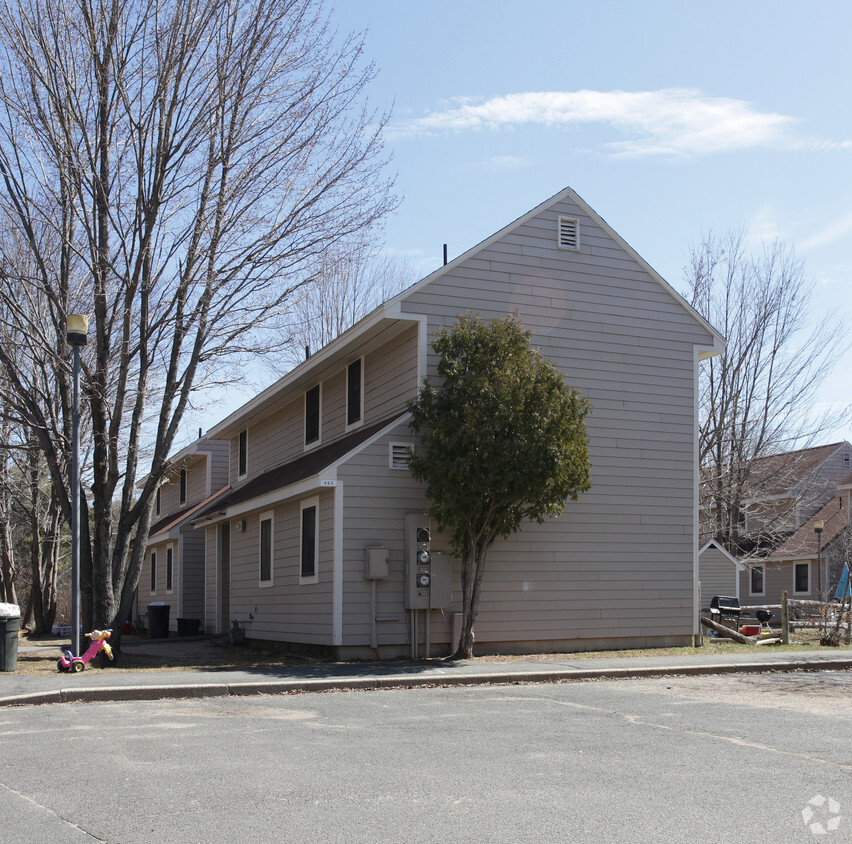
(77, 327)
(819, 526)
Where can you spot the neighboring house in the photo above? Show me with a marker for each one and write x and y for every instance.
(808, 486)
(314, 542)
(718, 573)
(173, 569)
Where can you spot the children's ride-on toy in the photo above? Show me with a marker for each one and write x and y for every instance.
(75, 664)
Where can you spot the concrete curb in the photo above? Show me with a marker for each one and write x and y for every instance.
(307, 686)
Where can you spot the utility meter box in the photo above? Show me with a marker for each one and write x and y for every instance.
(376, 562)
(428, 576)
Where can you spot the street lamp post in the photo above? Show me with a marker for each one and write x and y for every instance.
(77, 328)
(818, 529)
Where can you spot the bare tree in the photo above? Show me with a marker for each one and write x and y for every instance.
(352, 280)
(176, 169)
(759, 398)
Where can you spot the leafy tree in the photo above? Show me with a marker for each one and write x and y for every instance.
(176, 169)
(503, 440)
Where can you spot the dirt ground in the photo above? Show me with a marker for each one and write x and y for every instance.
(40, 656)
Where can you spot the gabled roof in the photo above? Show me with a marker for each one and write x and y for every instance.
(803, 542)
(714, 544)
(304, 466)
(164, 525)
(386, 315)
(780, 474)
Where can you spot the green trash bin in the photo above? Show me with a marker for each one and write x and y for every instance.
(10, 624)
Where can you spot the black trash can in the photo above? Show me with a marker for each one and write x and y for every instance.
(188, 626)
(158, 621)
(10, 624)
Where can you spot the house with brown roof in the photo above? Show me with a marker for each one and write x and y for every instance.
(173, 570)
(317, 540)
(804, 490)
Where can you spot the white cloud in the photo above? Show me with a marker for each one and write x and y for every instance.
(837, 230)
(672, 121)
(507, 162)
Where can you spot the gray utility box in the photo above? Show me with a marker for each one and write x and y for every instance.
(428, 575)
(10, 624)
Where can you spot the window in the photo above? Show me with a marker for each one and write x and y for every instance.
(354, 392)
(242, 460)
(309, 545)
(266, 549)
(153, 571)
(312, 415)
(183, 486)
(399, 454)
(569, 233)
(757, 580)
(802, 578)
(157, 502)
(169, 561)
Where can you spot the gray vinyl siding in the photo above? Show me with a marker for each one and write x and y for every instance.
(619, 563)
(191, 603)
(777, 578)
(287, 610)
(211, 585)
(196, 481)
(390, 379)
(717, 574)
(219, 454)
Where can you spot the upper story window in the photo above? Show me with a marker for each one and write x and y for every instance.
(183, 486)
(242, 458)
(157, 502)
(355, 392)
(312, 415)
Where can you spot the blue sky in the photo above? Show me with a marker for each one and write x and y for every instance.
(668, 118)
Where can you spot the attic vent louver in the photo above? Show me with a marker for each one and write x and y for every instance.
(569, 233)
(399, 453)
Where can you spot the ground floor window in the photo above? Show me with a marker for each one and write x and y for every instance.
(153, 571)
(169, 567)
(802, 578)
(309, 544)
(757, 580)
(266, 549)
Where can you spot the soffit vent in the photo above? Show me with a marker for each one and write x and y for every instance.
(569, 233)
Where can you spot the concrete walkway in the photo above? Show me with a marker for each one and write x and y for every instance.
(109, 685)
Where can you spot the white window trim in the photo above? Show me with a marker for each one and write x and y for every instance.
(763, 569)
(808, 590)
(395, 445)
(153, 564)
(171, 548)
(358, 423)
(270, 516)
(309, 446)
(239, 435)
(305, 505)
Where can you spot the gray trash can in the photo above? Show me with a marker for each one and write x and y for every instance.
(158, 621)
(10, 624)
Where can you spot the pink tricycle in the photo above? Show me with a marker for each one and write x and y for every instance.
(75, 664)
